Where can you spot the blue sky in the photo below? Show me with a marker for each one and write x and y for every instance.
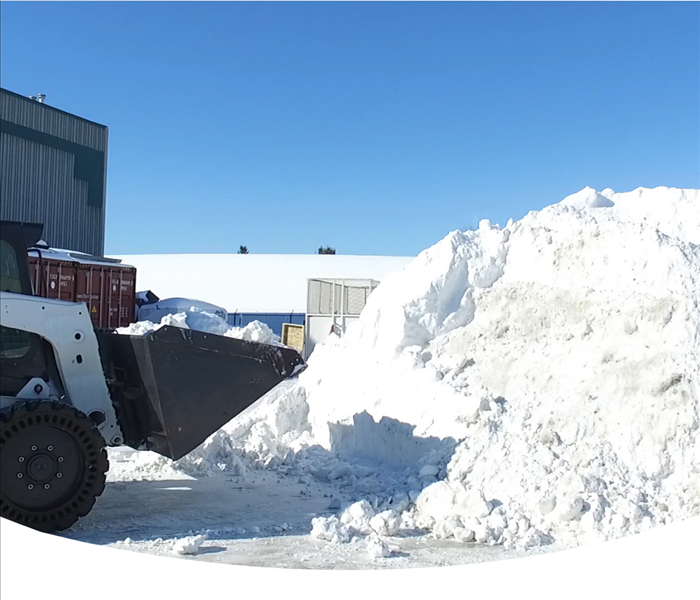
(375, 128)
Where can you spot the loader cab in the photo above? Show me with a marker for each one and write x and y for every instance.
(15, 238)
(53, 463)
(23, 355)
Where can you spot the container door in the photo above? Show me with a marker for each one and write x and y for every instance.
(114, 293)
(128, 314)
(53, 278)
(67, 273)
(88, 285)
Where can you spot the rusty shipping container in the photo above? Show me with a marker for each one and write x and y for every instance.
(108, 288)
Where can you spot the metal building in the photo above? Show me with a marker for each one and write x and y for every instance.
(53, 168)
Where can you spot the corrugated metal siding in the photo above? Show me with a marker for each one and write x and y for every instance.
(41, 117)
(37, 185)
(37, 182)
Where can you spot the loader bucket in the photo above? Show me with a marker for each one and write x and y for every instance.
(174, 387)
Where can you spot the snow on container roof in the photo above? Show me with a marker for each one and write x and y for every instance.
(74, 256)
(253, 282)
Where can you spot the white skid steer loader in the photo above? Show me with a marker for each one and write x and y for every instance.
(67, 391)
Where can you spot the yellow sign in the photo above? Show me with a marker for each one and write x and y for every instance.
(94, 309)
(293, 335)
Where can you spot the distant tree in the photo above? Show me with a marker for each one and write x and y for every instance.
(243, 250)
(326, 250)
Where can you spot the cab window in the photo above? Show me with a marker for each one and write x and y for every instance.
(9, 269)
(14, 343)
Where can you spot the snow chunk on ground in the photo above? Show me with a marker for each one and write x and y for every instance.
(358, 516)
(379, 548)
(330, 529)
(386, 523)
(189, 544)
(359, 524)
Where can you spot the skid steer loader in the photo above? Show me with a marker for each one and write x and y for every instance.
(68, 391)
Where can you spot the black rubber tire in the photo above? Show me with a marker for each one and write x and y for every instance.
(53, 464)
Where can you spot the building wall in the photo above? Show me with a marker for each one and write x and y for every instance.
(53, 171)
(273, 320)
(253, 283)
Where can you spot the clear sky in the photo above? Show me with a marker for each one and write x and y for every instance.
(375, 128)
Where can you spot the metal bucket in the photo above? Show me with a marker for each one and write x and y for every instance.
(174, 387)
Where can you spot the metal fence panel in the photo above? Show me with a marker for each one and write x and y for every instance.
(332, 304)
(338, 296)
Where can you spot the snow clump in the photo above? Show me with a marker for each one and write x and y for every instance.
(189, 544)
(360, 523)
(201, 320)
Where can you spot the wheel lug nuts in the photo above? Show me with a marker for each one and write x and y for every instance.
(60, 459)
(49, 448)
(33, 448)
(21, 459)
(59, 475)
(46, 486)
(19, 475)
(30, 486)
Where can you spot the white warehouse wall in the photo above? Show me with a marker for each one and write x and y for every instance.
(252, 282)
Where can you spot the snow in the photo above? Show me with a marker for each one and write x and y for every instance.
(562, 351)
(252, 282)
(517, 387)
(672, 211)
(201, 320)
(659, 563)
(172, 306)
(189, 544)
(64, 255)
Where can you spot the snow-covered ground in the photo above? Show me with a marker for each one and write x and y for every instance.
(260, 518)
(661, 563)
(511, 391)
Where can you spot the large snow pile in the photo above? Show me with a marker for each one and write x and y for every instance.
(511, 385)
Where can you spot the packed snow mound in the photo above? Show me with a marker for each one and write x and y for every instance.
(673, 211)
(562, 246)
(513, 385)
(565, 353)
(587, 198)
(561, 353)
(201, 320)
